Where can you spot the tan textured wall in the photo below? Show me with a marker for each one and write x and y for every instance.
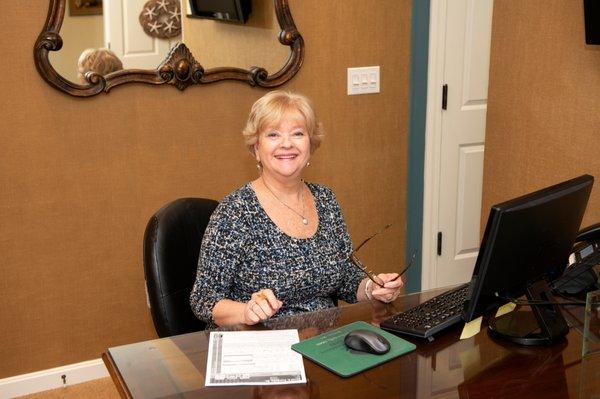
(543, 121)
(80, 177)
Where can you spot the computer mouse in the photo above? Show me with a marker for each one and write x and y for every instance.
(367, 341)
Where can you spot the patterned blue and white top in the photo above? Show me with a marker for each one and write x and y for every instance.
(243, 251)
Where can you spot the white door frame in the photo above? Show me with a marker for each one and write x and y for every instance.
(433, 142)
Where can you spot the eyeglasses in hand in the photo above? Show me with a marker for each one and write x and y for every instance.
(370, 274)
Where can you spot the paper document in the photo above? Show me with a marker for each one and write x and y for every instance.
(253, 358)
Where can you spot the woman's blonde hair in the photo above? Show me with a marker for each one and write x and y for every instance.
(270, 109)
(99, 60)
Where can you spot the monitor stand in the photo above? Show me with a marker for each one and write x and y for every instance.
(542, 325)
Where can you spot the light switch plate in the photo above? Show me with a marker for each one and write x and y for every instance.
(363, 80)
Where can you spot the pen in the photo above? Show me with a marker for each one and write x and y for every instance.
(262, 295)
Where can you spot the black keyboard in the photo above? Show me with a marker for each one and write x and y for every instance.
(431, 316)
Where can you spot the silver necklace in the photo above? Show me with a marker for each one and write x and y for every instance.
(304, 220)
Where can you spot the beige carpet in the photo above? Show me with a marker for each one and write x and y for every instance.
(101, 388)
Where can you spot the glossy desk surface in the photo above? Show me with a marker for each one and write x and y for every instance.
(476, 367)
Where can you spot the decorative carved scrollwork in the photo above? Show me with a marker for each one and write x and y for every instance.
(179, 69)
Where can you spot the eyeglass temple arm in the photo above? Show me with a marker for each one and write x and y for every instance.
(362, 267)
(412, 259)
(370, 237)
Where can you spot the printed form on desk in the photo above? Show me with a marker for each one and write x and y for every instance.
(253, 358)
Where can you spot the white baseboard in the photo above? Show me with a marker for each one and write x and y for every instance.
(43, 380)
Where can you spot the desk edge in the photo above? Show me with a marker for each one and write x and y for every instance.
(116, 376)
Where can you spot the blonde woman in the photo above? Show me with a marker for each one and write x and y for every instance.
(279, 246)
(99, 60)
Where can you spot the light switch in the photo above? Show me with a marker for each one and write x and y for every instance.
(363, 80)
(373, 79)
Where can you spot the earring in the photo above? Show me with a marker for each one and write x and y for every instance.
(308, 164)
(258, 166)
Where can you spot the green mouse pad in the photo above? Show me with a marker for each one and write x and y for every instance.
(329, 350)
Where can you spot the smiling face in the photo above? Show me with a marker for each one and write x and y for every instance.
(283, 148)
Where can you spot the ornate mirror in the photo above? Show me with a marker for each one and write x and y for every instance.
(180, 67)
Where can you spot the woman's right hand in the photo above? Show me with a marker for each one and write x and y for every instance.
(262, 305)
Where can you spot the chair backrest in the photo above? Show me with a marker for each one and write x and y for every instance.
(171, 248)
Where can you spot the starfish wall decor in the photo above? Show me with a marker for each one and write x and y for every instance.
(161, 18)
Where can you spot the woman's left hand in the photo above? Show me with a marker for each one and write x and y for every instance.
(390, 289)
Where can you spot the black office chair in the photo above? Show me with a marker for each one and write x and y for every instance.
(171, 247)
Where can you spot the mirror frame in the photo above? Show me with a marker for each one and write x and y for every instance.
(179, 67)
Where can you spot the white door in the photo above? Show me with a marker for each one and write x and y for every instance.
(124, 35)
(455, 139)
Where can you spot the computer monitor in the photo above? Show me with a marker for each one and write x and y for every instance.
(526, 244)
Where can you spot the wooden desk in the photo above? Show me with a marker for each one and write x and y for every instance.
(477, 367)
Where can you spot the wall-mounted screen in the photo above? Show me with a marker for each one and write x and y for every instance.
(591, 10)
(224, 10)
